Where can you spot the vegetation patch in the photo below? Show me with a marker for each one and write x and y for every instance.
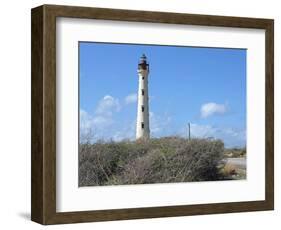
(235, 152)
(161, 160)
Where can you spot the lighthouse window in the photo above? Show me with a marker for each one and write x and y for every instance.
(142, 92)
(142, 108)
(142, 125)
(142, 78)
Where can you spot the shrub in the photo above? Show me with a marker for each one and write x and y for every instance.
(160, 160)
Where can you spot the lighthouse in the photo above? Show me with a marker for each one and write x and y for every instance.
(142, 127)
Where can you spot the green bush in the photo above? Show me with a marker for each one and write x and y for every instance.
(160, 160)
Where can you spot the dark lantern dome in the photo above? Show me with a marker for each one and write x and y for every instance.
(143, 62)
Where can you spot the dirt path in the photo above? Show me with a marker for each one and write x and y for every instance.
(238, 162)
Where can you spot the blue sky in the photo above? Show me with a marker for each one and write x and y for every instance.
(203, 86)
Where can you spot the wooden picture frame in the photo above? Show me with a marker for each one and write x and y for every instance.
(43, 202)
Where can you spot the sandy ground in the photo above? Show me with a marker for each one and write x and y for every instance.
(239, 162)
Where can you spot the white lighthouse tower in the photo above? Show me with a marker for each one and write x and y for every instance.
(142, 129)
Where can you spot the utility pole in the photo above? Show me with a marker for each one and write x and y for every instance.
(188, 130)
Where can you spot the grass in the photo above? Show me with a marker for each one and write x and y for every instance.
(162, 160)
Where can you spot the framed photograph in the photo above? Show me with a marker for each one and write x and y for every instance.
(141, 114)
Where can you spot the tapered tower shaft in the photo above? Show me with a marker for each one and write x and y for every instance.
(142, 128)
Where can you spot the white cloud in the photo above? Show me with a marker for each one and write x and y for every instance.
(204, 131)
(88, 121)
(93, 127)
(101, 122)
(107, 105)
(159, 125)
(85, 120)
(125, 133)
(131, 98)
(230, 136)
(96, 125)
(212, 108)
